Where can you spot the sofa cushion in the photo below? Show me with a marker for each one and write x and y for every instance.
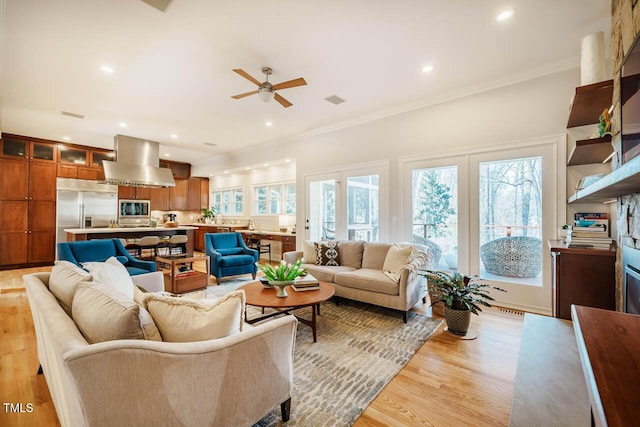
(374, 255)
(351, 252)
(396, 258)
(233, 260)
(368, 279)
(325, 273)
(327, 253)
(309, 251)
(113, 274)
(187, 320)
(64, 280)
(102, 313)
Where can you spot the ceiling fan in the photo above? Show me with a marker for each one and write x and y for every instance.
(266, 90)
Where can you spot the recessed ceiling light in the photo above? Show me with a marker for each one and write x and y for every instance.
(266, 164)
(226, 171)
(174, 136)
(427, 68)
(505, 15)
(248, 168)
(106, 69)
(287, 160)
(210, 174)
(268, 124)
(167, 155)
(122, 124)
(66, 138)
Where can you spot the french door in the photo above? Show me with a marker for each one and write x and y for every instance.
(345, 205)
(489, 214)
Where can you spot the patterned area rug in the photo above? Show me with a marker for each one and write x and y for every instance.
(360, 348)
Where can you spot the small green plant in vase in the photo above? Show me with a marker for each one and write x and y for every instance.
(461, 295)
(283, 275)
(208, 214)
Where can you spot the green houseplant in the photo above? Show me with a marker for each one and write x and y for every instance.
(461, 295)
(208, 214)
(283, 275)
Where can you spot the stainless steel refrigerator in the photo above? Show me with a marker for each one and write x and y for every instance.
(84, 204)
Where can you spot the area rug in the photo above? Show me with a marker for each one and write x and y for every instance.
(360, 349)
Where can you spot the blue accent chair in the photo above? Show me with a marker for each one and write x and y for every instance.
(101, 250)
(229, 255)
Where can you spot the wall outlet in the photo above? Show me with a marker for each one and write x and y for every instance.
(191, 216)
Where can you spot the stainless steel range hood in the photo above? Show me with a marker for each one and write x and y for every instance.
(137, 164)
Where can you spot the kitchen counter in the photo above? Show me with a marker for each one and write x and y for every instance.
(133, 233)
(268, 233)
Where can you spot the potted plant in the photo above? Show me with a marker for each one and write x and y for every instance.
(461, 296)
(283, 275)
(208, 214)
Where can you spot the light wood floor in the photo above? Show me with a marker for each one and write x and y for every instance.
(449, 382)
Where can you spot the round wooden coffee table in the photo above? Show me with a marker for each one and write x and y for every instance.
(259, 296)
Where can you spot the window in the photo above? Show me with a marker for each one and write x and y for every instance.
(275, 199)
(228, 202)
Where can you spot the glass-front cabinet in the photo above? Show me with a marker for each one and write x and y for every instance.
(76, 156)
(98, 156)
(16, 147)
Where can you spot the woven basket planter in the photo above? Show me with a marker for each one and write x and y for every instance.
(516, 256)
(437, 308)
(457, 320)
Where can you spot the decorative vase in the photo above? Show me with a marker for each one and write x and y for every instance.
(280, 286)
(457, 320)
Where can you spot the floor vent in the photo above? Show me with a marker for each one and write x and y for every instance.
(510, 311)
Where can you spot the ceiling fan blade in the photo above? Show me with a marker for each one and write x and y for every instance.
(290, 83)
(282, 101)
(242, 95)
(247, 76)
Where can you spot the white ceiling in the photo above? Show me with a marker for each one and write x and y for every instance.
(173, 70)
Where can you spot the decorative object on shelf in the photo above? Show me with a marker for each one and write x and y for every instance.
(461, 296)
(562, 232)
(604, 126)
(283, 275)
(208, 214)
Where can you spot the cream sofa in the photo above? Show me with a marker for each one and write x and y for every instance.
(230, 381)
(360, 276)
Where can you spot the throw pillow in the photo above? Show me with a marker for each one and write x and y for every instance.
(187, 320)
(111, 273)
(308, 252)
(102, 313)
(327, 253)
(396, 258)
(64, 280)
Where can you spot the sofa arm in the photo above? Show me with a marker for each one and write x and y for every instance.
(291, 257)
(238, 379)
(150, 282)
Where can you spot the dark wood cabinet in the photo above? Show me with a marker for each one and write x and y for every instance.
(16, 146)
(582, 277)
(90, 172)
(14, 231)
(204, 192)
(179, 195)
(42, 182)
(198, 197)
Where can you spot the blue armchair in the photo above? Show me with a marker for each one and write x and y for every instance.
(229, 255)
(101, 250)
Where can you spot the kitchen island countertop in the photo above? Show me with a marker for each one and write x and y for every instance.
(124, 229)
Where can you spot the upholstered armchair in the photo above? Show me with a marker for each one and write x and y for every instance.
(101, 250)
(229, 255)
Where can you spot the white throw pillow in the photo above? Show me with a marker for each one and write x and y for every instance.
(187, 320)
(64, 280)
(111, 273)
(397, 257)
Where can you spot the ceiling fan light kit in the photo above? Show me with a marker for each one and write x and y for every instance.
(266, 91)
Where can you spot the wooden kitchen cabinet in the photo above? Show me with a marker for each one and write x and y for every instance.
(42, 182)
(582, 277)
(204, 192)
(16, 146)
(128, 192)
(14, 232)
(179, 195)
(198, 193)
(159, 199)
(14, 179)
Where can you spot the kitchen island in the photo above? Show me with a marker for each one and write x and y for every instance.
(130, 234)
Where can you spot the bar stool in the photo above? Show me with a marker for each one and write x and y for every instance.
(149, 243)
(255, 242)
(178, 241)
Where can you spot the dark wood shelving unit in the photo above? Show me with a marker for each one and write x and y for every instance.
(589, 151)
(588, 103)
(622, 181)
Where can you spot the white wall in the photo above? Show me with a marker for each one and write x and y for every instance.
(527, 110)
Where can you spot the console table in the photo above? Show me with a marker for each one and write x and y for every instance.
(609, 348)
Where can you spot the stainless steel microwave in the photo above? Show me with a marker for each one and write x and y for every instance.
(134, 213)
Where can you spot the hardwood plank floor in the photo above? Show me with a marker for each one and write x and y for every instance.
(448, 382)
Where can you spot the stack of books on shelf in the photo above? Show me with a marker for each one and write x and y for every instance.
(594, 236)
(305, 283)
(183, 273)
